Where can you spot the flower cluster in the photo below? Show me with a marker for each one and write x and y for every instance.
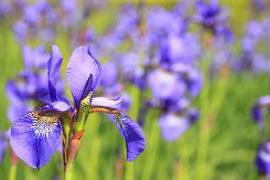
(259, 112)
(156, 57)
(254, 56)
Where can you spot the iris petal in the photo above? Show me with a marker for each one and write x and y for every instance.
(133, 135)
(106, 102)
(54, 65)
(83, 74)
(35, 137)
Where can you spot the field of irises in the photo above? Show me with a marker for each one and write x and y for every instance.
(134, 90)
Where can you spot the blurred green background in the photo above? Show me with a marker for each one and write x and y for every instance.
(222, 145)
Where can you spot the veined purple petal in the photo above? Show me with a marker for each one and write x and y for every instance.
(106, 102)
(133, 135)
(36, 136)
(54, 65)
(83, 73)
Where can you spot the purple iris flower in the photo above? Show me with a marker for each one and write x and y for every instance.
(259, 4)
(70, 12)
(173, 126)
(5, 8)
(20, 29)
(254, 29)
(194, 82)
(263, 159)
(165, 85)
(208, 14)
(110, 78)
(34, 58)
(175, 49)
(36, 136)
(17, 98)
(258, 109)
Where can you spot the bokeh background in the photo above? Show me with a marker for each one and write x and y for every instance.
(221, 145)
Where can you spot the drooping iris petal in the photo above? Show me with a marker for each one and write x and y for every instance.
(54, 65)
(173, 126)
(106, 102)
(36, 136)
(83, 73)
(133, 135)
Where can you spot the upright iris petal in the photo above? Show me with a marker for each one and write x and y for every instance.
(54, 65)
(36, 136)
(83, 73)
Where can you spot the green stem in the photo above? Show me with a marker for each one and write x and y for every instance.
(12, 172)
(68, 172)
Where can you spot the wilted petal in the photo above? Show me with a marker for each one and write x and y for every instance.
(133, 135)
(54, 65)
(36, 136)
(173, 126)
(106, 102)
(83, 73)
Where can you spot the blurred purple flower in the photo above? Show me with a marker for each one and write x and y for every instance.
(175, 49)
(259, 4)
(20, 29)
(165, 85)
(263, 159)
(257, 111)
(173, 126)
